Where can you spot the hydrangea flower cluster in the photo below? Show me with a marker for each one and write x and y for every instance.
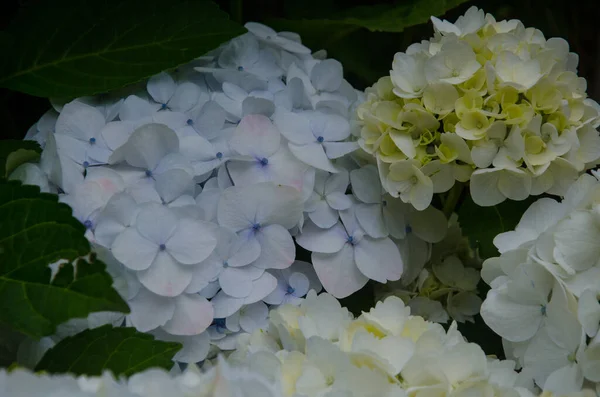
(221, 381)
(195, 185)
(319, 349)
(446, 285)
(485, 101)
(544, 300)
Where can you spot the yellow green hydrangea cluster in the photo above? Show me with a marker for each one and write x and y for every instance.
(485, 101)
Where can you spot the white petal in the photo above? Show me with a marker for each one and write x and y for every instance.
(192, 241)
(295, 127)
(148, 144)
(327, 75)
(79, 121)
(161, 87)
(156, 223)
(254, 317)
(378, 259)
(262, 287)
(277, 249)
(370, 217)
(193, 314)
(323, 215)
(133, 250)
(172, 184)
(484, 188)
(149, 311)
(335, 150)
(237, 282)
(195, 348)
(365, 184)
(300, 283)
(339, 201)
(166, 277)
(338, 272)
(326, 241)
(135, 108)
(313, 154)
(185, 97)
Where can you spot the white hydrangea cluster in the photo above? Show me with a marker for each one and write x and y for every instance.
(446, 285)
(544, 300)
(195, 185)
(221, 381)
(319, 349)
(485, 101)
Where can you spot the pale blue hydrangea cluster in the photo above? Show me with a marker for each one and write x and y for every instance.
(195, 185)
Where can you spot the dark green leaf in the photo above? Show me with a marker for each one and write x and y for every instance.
(13, 153)
(123, 351)
(482, 224)
(68, 48)
(35, 231)
(380, 17)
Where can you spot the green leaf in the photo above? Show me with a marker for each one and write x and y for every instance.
(123, 351)
(69, 48)
(380, 17)
(35, 231)
(482, 224)
(13, 153)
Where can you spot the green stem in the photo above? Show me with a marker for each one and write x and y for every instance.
(453, 198)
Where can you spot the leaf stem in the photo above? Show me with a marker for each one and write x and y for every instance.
(453, 198)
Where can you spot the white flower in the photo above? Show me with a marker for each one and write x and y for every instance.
(278, 39)
(408, 182)
(492, 186)
(345, 258)
(316, 138)
(471, 22)
(293, 283)
(265, 160)
(408, 75)
(328, 197)
(249, 318)
(454, 64)
(163, 248)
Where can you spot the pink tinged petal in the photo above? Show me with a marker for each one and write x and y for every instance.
(338, 273)
(79, 121)
(378, 259)
(166, 277)
(185, 97)
(192, 241)
(161, 87)
(135, 108)
(133, 250)
(323, 215)
(335, 150)
(148, 144)
(370, 218)
(225, 305)
(299, 283)
(327, 75)
(149, 311)
(484, 188)
(313, 154)
(156, 223)
(277, 249)
(255, 136)
(294, 127)
(261, 287)
(254, 317)
(193, 314)
(326, 241)
(365, 184)
(237, 282)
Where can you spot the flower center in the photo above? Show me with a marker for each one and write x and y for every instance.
(264, 161)
(455, 73)
(290, 290)
(86, 164)
(190, 122)
(219, 155)
(414, 180)
(149, 173)
(543, 310)
(87, 224)
(162, 247)
(240, 68)
(256, 227)
(408, 229)
(92, 140)
(351, 240)
(163, 106)
(320, 139)
(225, 264)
